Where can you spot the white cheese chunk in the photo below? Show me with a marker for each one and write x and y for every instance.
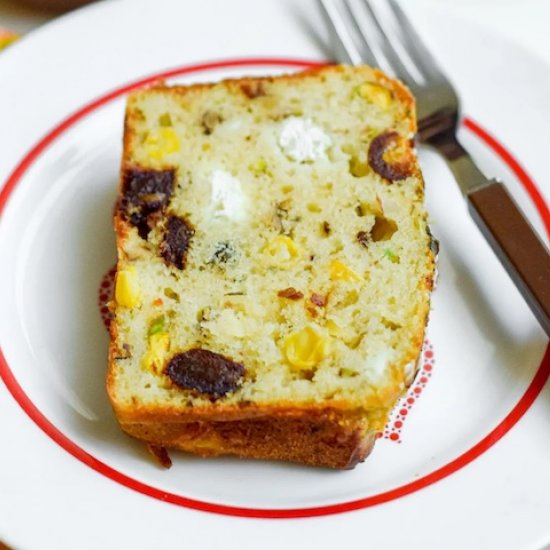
(376, 365)
(228, 199)
(301, 140)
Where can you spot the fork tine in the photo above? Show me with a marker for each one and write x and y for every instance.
(390, 53)
(368, 55)
(416, 48)
(341, 32)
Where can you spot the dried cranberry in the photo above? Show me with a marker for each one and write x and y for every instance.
(395, 170)
(145, 193)
(176, 241)
(205, 372)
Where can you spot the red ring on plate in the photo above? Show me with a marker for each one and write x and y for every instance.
(465, 458)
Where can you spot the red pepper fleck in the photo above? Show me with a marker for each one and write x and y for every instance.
(312, 311)
(290, 293)
(318, 299)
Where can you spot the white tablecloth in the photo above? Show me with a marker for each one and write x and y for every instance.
(525, 21)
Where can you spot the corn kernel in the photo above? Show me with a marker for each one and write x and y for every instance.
(258, 167)
(333, 329)
(347, 372)
(359, 165)
(162, 142)
(159, 345)
(339, 271)
(305, 348)
(375, 93)
(282, 249)
(127, 291)
(314, 207)
(165, 120)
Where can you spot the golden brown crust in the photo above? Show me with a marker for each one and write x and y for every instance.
(160, 454)
(314, 439)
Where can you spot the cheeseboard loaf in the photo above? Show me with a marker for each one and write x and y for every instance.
(274, 265)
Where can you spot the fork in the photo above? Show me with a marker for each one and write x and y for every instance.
(513, 240)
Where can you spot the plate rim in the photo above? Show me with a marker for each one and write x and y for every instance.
(506, 424)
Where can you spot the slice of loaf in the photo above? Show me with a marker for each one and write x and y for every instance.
(274, 265)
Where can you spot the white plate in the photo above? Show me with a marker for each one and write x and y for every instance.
(472, 450)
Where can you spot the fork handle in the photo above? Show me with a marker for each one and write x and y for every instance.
(516, 244)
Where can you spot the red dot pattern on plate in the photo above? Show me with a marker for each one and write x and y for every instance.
(395, 423)
(105, 294)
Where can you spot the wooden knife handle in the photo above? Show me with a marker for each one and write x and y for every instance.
(515, 242)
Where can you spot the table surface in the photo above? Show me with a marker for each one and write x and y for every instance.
(525, 21)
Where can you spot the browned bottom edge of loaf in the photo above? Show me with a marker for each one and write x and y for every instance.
(318, 441)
